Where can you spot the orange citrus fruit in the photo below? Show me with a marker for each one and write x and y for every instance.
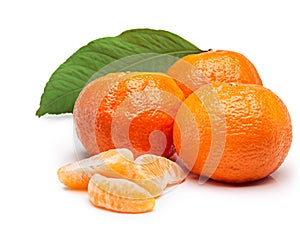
(257, 130)
(128, 110)
(154, 173)
(213, 66)
(119, 195)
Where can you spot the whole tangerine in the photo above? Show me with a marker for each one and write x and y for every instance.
(257, 132)
(213, 66)
(133, 110)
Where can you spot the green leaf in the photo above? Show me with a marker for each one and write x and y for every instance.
(133, 50)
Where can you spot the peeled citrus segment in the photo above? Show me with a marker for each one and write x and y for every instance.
(77, 175)
(155, 186)
(119, 195)
(153, 166)
(155, 173)
(151, 172)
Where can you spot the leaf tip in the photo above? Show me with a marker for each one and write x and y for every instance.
(39, 113)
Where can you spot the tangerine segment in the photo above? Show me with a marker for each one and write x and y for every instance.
(155, 173)
(77, 175)
(119, 195)
(154, 167)
(151, 172)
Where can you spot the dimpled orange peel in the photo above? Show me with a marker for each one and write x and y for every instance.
(258, 132)
(191, 71)
(133, 110)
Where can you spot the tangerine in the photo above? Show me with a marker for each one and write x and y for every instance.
(128, 110)
(191, 71)
(257, 130)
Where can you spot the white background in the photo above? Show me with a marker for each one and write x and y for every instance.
(37, 213)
